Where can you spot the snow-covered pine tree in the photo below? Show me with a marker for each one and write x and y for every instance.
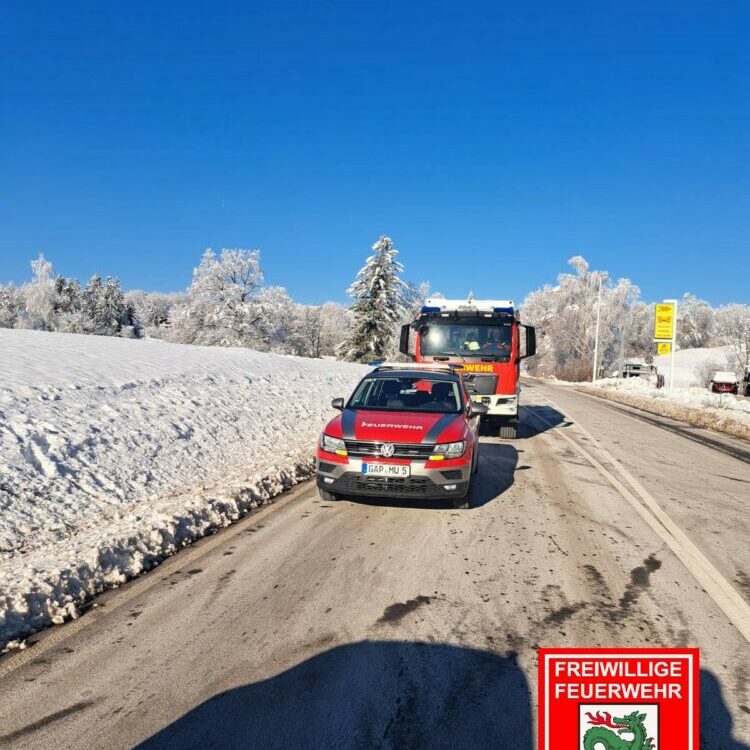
(11, 305)
(104, 310)
(378, 295)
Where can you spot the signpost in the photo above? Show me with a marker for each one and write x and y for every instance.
(665, 332)
(664, 320)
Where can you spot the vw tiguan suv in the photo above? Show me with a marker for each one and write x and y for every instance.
(407, 431)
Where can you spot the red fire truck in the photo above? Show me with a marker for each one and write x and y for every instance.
(484, 337)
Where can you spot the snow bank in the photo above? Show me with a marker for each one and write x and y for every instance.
(115, 453)
(724, 413)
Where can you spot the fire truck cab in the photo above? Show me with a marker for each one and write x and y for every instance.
(484, 337)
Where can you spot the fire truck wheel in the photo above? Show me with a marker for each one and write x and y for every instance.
(509, 429)
(327, 496)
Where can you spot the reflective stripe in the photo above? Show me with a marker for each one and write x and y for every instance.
(348, 420)
(434, 432)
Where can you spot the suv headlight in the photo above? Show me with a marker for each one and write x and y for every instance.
(333, 445)
(448, 450)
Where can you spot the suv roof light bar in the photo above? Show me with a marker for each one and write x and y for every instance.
(436, 367)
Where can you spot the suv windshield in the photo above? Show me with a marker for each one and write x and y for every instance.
(407, 394)
(467, 337)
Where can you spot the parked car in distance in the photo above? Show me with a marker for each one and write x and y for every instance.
(408, 431)
(725, 382)
(636, 368)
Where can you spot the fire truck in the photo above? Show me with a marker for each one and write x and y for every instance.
(484, 337)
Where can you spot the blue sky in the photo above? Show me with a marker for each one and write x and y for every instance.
(492, 141)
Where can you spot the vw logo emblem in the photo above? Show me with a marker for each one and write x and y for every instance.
(387, 450)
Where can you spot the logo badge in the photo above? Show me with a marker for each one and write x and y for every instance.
(387, 450)
(619, 698)
(611, 723)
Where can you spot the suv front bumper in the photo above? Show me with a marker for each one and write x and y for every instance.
(427, 484)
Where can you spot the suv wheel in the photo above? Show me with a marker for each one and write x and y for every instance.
(464, 501)
(327, 496)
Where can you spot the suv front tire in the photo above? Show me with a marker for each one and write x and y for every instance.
(327, 496)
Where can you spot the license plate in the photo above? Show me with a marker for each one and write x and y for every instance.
(386, 470)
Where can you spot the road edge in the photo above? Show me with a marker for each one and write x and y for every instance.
(114, 598)
(707, 419)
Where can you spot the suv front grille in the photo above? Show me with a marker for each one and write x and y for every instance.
(384, 485)
(358, 448)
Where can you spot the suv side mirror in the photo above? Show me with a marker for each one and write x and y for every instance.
(530, 342)
(338, 403)
(477, 409)
(403, 344)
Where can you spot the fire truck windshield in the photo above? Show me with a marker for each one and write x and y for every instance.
(467, 337)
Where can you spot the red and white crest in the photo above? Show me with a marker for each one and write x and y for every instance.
(636, 723)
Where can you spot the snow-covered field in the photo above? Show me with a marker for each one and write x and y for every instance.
(688, 361)
(686, 401)
(115, 453)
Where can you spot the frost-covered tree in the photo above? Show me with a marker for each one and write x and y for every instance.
(67, 295)
(732, 329)
(274, 319)
(104, 310)
(221, 300)
(11, 306)
(565, 316)
(68, 306)
(39, 296)
(335, 324)
(414, 296)
(695, 320)
(305, 338)
(378, 294)
(154, 310)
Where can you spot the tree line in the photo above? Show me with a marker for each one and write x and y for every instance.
(565, 316)
(229, 303)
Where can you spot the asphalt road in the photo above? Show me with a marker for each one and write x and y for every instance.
(384, 625)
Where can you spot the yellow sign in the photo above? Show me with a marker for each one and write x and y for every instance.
(663, 347)
(664, 321)
(469, 367)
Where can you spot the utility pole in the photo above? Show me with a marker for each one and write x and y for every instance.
(596, 338)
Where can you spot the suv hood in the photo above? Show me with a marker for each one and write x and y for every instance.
(397, 426)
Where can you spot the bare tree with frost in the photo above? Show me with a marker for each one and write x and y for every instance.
(732, 329)
(39, 296)
(565, 316)
(221, 305)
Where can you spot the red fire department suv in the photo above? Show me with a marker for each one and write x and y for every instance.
(408, 431)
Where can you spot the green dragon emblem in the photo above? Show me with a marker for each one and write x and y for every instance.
(600, 737)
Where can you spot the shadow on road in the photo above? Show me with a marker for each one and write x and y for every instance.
(372, 694)
(537, 418)
(497, 468)
(715, 720)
